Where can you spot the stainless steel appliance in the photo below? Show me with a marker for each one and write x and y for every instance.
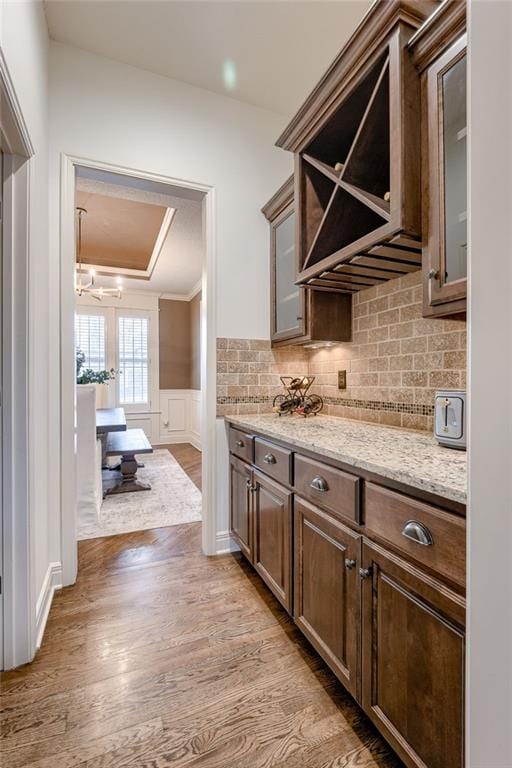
(450, 418)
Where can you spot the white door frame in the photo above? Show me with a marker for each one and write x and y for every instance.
(17, 546)
(67, 367)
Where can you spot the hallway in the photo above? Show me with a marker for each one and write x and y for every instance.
(159, 656)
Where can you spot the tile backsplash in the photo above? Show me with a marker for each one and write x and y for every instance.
(394, 364)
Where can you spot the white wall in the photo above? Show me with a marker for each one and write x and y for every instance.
(109, 112)
(180, 417)
(24, 42)
(489, 712)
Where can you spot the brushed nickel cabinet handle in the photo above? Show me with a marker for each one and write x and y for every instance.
(319, 483)
(349, 563)
(417, 532)
(269, 458)
(365, 573)
(239, 443)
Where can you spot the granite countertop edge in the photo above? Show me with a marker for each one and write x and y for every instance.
(400, 475)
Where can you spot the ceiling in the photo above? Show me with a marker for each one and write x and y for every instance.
(123, 221)
(269, 53)
(118, 233)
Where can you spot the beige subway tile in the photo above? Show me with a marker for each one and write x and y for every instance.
(222, 391)
(455, 360)
(401, 330)
(411, 312)
(238, 367)
(227, 355)
(378, 305)
(444, 342)
(418, 294)
(360, 337)
(368, 294)
(379, 334)
(389, 317)
(463, 379)
(379, 363)
(248, 408)
(366, 322)
(359, 310)
(415, 379)
(429, 361)
(415, 421)
(444, 379)
(250, 379)
(368, 414)
(389, 348)
(257, 390)
(368, 350)
(388, 288)
(222, 367)
(416, 344)
(262, 356)
(401, 298)
(424, 396)
(239, 343)
(427, 326)
(401, 363)
(390, 418)
(369, 379)
(360, 366)
(453, 325)
(270, 379)
(259, 344)
(222, 342)
(390, 379)
(410, 279)
(401, 395)
(225, 410)
(227, 378)
(247, 355)
(237, 391)
(377, 393)
(258, 368)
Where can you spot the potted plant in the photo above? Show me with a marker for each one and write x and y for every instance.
(99, 378)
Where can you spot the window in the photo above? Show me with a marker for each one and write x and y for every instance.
(133, 360)
(90, 339)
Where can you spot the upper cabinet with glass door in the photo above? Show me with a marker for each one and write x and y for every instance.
(439, 52)
(298, 315)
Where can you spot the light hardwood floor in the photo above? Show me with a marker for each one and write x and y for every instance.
(161, 657)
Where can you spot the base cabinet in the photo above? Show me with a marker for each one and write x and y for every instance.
(413, 660)
(272, 511)
(326, 602)
(240, 508)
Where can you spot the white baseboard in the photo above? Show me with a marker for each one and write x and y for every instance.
(224, 543)
(52, 581)
(182, 437)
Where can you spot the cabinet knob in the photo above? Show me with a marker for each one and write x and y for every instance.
(319, 483)
(239, 443)
(299, 317)
(349, 563)
(433, 274)
(269, 458)
(365, 573)
(417, 532)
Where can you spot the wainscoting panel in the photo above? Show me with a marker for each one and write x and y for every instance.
(180, 417)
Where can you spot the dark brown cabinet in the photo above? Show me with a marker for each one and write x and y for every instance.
(356, 142)
(298, 315)
(413, 660)
(383, 605)
(240, 508)
(439, 53)
(272, 510)
(326, 602)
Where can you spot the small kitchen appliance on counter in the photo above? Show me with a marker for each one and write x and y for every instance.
(450, 418)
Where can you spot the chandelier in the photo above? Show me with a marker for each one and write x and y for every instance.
(90, 288)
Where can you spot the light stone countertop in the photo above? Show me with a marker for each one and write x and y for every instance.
(407, 456)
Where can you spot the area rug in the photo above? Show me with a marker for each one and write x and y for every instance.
(173, 499)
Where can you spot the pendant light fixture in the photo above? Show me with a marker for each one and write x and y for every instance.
(90, 288)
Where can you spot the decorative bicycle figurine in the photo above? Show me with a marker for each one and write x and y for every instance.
(296, 399)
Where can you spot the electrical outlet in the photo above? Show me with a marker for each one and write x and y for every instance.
(342, 379)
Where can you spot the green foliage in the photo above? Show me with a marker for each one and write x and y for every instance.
(88, 376)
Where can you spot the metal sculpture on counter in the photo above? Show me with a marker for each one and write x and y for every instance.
(296, 399)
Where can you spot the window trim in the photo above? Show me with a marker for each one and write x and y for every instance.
(139, 407)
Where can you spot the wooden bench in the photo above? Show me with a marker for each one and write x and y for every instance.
(127, 445)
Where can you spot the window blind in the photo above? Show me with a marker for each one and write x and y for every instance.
(133, 360)
(90, 339)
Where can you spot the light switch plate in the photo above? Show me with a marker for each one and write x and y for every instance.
(342, 379)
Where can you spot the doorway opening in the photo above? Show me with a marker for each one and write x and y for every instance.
(137, 348)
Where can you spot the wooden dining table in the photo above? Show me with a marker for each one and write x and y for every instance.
(108, 420)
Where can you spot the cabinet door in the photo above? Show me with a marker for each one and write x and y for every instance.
(240, 505)
(326, 599)
(413, 660)
(288, 300)
(273, 536)
(446, 160)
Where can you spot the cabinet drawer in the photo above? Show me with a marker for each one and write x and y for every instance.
(241, 444)
(327, 487)
(427, 534)
(273, 460)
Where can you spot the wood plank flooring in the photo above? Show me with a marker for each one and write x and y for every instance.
(189, 458)
(161, 657)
